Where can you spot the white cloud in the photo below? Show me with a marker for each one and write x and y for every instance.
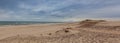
(24, 6)
(4, 14)
(107, 11)
(99, 12)
(48, 6)
(99, 9)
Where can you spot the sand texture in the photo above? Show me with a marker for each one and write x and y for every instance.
(87, 31)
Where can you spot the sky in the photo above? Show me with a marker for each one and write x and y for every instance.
(58, 10)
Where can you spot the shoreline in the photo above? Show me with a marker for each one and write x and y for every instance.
(31, 24)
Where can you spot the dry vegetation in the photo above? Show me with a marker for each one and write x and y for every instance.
(79, 34)
(89, 23)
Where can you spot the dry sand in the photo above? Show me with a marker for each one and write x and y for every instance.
(87, 31)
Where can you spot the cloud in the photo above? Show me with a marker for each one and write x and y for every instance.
(5, 14)
(58, 10)
(105, 12)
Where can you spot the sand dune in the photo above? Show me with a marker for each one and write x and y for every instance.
(87, 31)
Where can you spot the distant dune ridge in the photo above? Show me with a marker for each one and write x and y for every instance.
(86, 31)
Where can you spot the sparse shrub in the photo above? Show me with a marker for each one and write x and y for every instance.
(66, 31)
(89, 23)
(69, 28)
(49, 33)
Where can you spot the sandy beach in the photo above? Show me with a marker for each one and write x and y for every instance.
(87, 31)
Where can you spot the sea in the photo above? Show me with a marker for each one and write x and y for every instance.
(2, 23)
